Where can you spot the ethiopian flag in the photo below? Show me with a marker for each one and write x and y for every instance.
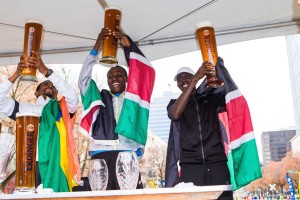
(58, 161)
(133, 121)
(238, 134)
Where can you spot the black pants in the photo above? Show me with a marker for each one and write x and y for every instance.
(207, 174)
(110, 158)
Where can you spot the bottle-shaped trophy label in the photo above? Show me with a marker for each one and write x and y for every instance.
(112, 20)
(26, 144)
(32, 42)
(207, 42)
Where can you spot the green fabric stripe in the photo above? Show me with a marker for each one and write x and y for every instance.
(49, 150)
(133, 122)
(92, 94)
(243, 164)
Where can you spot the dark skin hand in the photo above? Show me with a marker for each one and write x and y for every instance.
(187, 84)
(21, 66)
(34, 61)
(124, 41)
(47, 89)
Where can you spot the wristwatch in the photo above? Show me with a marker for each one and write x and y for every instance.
(49, 72)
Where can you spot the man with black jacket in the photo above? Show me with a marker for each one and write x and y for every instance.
(195, 122)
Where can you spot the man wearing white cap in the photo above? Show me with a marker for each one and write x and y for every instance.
(195, 136)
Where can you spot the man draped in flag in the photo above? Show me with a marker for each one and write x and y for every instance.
(45, 92)
(117, 119)
(211, 133)
(58, 159)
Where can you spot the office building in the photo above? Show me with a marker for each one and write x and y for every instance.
(275, 144)
(159, 123)
(293, 53)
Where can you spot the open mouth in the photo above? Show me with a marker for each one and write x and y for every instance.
(185, 85)
(115, 84)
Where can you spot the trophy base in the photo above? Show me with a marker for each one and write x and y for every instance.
(24, 191)
(214, 83)
(108, 61)
(28, 78)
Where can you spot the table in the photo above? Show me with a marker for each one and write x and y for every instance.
(189, 193)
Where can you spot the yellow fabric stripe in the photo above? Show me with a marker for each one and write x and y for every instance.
(64, 162)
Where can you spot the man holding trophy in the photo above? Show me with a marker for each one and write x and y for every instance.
(27, 116)
(115, 120)
(45, 91)
(209, 124)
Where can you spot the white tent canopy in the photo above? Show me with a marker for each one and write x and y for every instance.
(161, 28)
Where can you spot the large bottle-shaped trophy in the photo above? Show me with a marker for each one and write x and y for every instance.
(112, 20)
(32, 42)
(207, 41)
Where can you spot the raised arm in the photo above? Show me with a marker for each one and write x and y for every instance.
(85, 75)
(175, 111)
(62, 87)
(8, 106)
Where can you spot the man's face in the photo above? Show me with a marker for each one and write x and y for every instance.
(183, 80)
(47, 90)
(116, 80)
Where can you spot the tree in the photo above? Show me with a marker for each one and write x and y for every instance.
(275, 173)
(154, 160)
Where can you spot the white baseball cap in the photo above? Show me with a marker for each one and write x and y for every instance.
(183, 69)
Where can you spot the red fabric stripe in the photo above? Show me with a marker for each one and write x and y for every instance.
(224, 120)
(239, 118)
(141, 81)
(86, 121)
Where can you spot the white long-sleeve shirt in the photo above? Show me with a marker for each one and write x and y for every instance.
(9, 107)
(8, 104)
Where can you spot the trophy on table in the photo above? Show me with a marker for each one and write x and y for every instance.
(127, 170)
(26, 146)
(98, 174)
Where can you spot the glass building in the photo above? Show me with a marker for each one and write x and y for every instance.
(293, 53)
(159, 123)
(275, 144)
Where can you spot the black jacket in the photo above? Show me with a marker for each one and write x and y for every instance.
(103, 128)
(191, 143)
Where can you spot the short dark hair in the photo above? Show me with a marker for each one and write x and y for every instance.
(123, 69)
(39, 85)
